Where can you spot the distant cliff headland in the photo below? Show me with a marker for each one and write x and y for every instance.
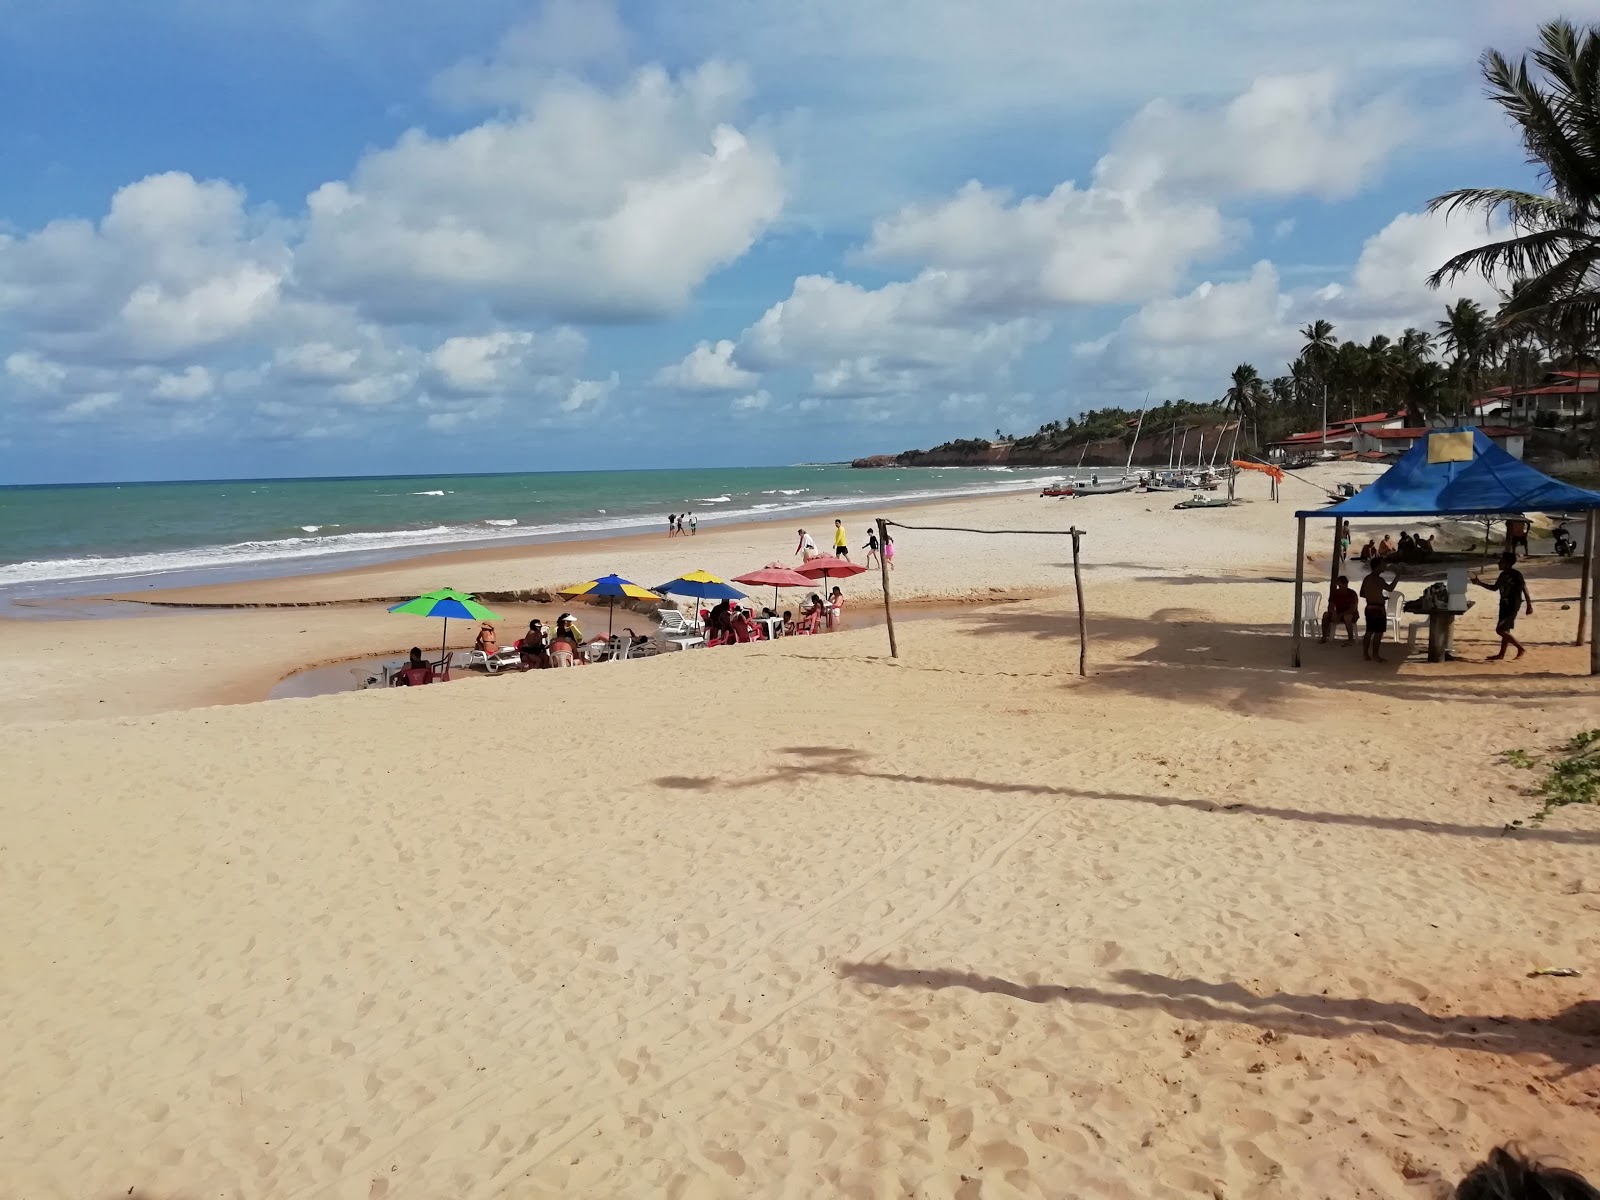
(1100, 438)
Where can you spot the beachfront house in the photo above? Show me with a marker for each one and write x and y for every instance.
(1394, 441)
(1562, 396)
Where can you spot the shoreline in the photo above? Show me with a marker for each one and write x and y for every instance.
(288, 566)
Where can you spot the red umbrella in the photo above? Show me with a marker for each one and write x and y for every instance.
(775, 576)
(831, 568)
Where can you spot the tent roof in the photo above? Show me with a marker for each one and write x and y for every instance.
(1489, 480)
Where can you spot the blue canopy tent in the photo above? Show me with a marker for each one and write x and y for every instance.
(1459, 473)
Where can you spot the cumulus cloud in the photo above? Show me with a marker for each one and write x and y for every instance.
(587, 204)
(1285, 135)
(709, 367)
(752, 402)
(1188, 343)
(1074, 246)
(897, 338)
(176, 266)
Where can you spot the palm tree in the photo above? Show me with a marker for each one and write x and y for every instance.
(1467, 337)
(1246, 395)
(1318, 355)
(1554, 247)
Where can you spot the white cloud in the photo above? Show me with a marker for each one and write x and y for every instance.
(709, 367)
(585, 204)
(176, 266)
(1389, 278)
(1187, 344)
(1075, 246)
(753, 402)
(587, 394)
(193, 383)
(1215, 312)
(564, 36)
(495, 362)
(897, 338)
(1285, 135)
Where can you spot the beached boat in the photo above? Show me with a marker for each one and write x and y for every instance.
(1199, 501)
(1100, 489)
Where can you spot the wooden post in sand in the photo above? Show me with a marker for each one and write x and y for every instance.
(1584, 588)
(1299, 585)
(1338, 554)
(1077, 580)
(1594, 595)
(883, 565)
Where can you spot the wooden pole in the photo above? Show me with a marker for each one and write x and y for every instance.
(1594, 596)
(1589, 523)
(1338, 554)
(883, 566)
(1299, 585)
(1083, 630)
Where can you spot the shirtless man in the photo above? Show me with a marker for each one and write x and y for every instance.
(1375, 591)
(1513, 589)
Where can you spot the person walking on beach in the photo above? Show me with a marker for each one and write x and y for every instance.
(888, 549)
(807, 549)
(694, 525)
(672, 524)
(1375, 591)
(841, 541)
(1513, 589)
(872, 546)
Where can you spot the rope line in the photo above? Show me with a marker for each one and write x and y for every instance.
(1074, 531)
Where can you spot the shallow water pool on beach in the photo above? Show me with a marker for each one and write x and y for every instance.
(351, 675)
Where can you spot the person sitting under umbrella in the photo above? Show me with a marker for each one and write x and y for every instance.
(534, 649)
(565, 642)
(415, 673)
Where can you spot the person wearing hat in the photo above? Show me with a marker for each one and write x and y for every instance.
(565, 641)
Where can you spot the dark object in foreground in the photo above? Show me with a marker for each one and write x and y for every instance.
(1506, 1175)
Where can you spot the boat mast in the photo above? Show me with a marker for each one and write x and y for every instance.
(1136, 430)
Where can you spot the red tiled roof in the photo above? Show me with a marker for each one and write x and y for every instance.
(1494, 431)
(1554, 389)
(1413, 432)
(1577, 374)
(1312, 438)
(1374, 417)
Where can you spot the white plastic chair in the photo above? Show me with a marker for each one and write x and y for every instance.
(1311, 614)
(672, 622)
(1394, 606)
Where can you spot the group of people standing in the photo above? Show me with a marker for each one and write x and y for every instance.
(877, 553)
(682, 525)
(1372, 601)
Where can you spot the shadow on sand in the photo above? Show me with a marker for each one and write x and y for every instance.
(811, 761)
(1570, 1039)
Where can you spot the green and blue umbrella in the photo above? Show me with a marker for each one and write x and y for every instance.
(446, 603)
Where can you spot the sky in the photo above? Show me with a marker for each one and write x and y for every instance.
(390, 236)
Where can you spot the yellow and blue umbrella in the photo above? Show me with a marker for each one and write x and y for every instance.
(702, 585)
(446, 603)
(610, 586)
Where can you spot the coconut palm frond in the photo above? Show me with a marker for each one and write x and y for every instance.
(1527, 256)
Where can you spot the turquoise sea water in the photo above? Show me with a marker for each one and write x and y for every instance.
(67, 537)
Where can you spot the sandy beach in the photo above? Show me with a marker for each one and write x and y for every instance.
(798, 920)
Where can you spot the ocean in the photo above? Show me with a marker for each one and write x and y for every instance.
(74, 539)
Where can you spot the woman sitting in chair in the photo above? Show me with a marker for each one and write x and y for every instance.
(565, 641)
(534, 648)
(487, 641)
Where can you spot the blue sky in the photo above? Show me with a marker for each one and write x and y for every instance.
(344, 236)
